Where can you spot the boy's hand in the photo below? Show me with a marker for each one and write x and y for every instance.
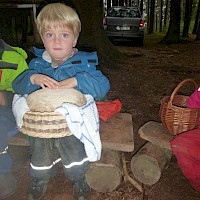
(44, 81)
(68, 83)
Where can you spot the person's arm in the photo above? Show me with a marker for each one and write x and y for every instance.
(93, 83)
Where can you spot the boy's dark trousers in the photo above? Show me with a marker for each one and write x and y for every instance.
(47, 152)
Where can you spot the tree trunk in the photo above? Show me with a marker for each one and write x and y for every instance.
(183, 5)
(93, 37)
(196, 20)
(141, 7)
(173, 33)
(187, 18)
(151, 19)
(198, 33)
(108, 4)
(161, 15)
(148, 163)
(166, 15)
(148, 14)
(129, 3)
(156, 15)
(121, 3)
(105, 175)
(114, 2)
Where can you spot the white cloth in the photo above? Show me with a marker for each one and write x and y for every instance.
(83, 122)
(19, 108)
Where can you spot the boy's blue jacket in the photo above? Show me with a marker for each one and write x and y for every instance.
(82, 66)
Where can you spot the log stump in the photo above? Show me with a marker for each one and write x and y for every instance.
(148, 163)
(106, 174)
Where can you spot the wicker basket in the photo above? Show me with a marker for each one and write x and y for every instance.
(174, 114)
(45, 125)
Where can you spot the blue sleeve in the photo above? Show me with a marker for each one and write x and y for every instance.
(22, 84)
(93, 82)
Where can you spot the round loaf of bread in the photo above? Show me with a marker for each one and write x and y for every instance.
(47, 100)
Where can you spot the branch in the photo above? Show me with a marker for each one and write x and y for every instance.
(127, 177)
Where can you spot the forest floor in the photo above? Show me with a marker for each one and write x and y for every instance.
(140, 82)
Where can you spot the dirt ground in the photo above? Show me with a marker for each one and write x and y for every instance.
(148, 74)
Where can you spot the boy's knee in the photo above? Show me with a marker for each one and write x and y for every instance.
(76, 173)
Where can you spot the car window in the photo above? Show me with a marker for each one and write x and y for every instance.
(123, 12)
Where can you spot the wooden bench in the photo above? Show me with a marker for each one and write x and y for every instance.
(116, 134)
(117, 137)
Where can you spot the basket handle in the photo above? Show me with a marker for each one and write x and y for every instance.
(179, 86)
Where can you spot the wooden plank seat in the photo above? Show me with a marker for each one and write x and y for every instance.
(155, 133)
(116, 134)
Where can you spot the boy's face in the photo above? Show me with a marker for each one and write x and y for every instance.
(59, 42)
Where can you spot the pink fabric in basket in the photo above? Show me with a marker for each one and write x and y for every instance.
(194, 99)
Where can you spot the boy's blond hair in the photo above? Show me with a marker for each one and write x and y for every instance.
(58, 15)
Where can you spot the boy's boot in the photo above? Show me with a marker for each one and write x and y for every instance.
(81, 191)
(8, 185)
(37, 189)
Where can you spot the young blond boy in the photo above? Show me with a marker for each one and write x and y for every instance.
(60, 65)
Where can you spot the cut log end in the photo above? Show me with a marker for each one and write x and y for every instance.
(106, 174)
(146, 169)
(149, 162)
(103, 178)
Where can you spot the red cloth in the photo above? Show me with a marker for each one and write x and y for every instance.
(186, 148)
(108, 108)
